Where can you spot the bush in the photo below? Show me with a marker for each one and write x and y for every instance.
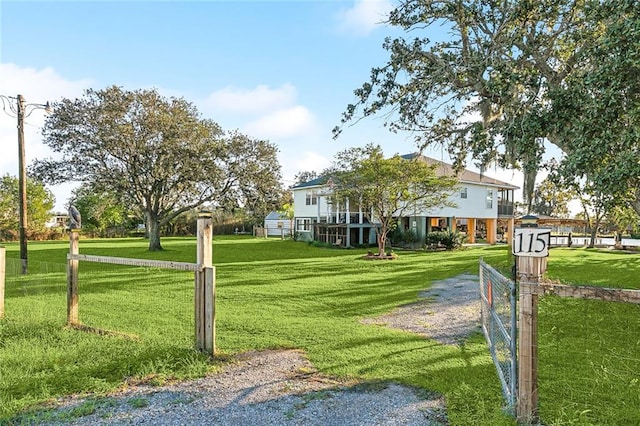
(447, 239)
(398, 236)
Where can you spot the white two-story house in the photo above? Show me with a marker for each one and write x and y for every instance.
(484, 210)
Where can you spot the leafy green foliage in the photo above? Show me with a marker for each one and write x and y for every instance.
(304, 176)
(513, 75)
(407, 236)
(40, 201)
(597, 112)
(158, 156)
(450, 240)
(388, 187)
(100, 209)
(551, 200)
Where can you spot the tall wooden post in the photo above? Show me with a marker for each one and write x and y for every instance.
(531, 245)
(2, 272)
(205, 312)
(72, 278)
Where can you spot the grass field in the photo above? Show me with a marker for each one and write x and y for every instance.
(272, 294)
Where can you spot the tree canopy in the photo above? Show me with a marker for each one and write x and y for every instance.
(305, 176)
(550, 199)
(388, 187)
(100, 208)
(597, 113)
(508, 77)
(39, 207)
(156, 153)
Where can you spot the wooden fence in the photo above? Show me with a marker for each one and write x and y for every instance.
(530, 270)
(204, 279)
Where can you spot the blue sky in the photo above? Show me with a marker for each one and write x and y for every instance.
(277, 70)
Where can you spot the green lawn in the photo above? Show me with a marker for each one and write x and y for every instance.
(270, 294)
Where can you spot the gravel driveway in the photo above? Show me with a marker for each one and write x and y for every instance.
(283, 388)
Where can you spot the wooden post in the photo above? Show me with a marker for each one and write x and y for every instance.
(72, 279)
(2, 272)
(530, 269)
(205, 312)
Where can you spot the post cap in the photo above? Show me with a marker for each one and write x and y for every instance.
(204, 214)
(529, 221)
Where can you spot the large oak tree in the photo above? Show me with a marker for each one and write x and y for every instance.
(597, 112)
(508, 77)
(157, 153)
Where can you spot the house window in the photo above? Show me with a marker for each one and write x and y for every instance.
(304, 224)
(463, 192)
(312, 199)
(489, 198)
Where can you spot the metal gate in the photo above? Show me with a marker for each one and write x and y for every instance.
(498, 303)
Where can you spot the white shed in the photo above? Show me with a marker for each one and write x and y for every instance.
(277, 225)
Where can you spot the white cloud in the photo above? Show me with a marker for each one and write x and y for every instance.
(282, 124)
(312, 161)
(261, 99)
(38, 86)
(364, 16)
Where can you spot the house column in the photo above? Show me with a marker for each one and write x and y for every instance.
(428, 219)
(422, 229)
(491, 230)
(471, 230)
(511, 222)
(347, 220)
(454, 224)
(347, 214)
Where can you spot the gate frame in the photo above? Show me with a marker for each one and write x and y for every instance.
(510, 385)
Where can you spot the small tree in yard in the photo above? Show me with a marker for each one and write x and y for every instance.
(41, 201)
(288, 211)
(388, 187)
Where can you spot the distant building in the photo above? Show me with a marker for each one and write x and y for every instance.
(480, 202)
(58, 220)
(276, 223)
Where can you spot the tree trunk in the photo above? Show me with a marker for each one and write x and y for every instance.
(381, 236)
(153, 231)
(594, 230)
(635, 204)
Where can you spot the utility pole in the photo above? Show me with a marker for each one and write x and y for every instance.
(21, 111)
(22, 185)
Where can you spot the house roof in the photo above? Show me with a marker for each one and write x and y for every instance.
(442, 169)
(275, 216)
(465, 176)
(314, 182)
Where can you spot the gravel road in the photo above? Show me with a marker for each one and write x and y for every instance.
(283, 388)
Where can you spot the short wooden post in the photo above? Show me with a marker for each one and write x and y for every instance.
(205, 311)
(2, 272)
(72, 279)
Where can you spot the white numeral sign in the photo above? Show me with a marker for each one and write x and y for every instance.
(531, 242)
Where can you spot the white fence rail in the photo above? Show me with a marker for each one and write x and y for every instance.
(600, 241)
